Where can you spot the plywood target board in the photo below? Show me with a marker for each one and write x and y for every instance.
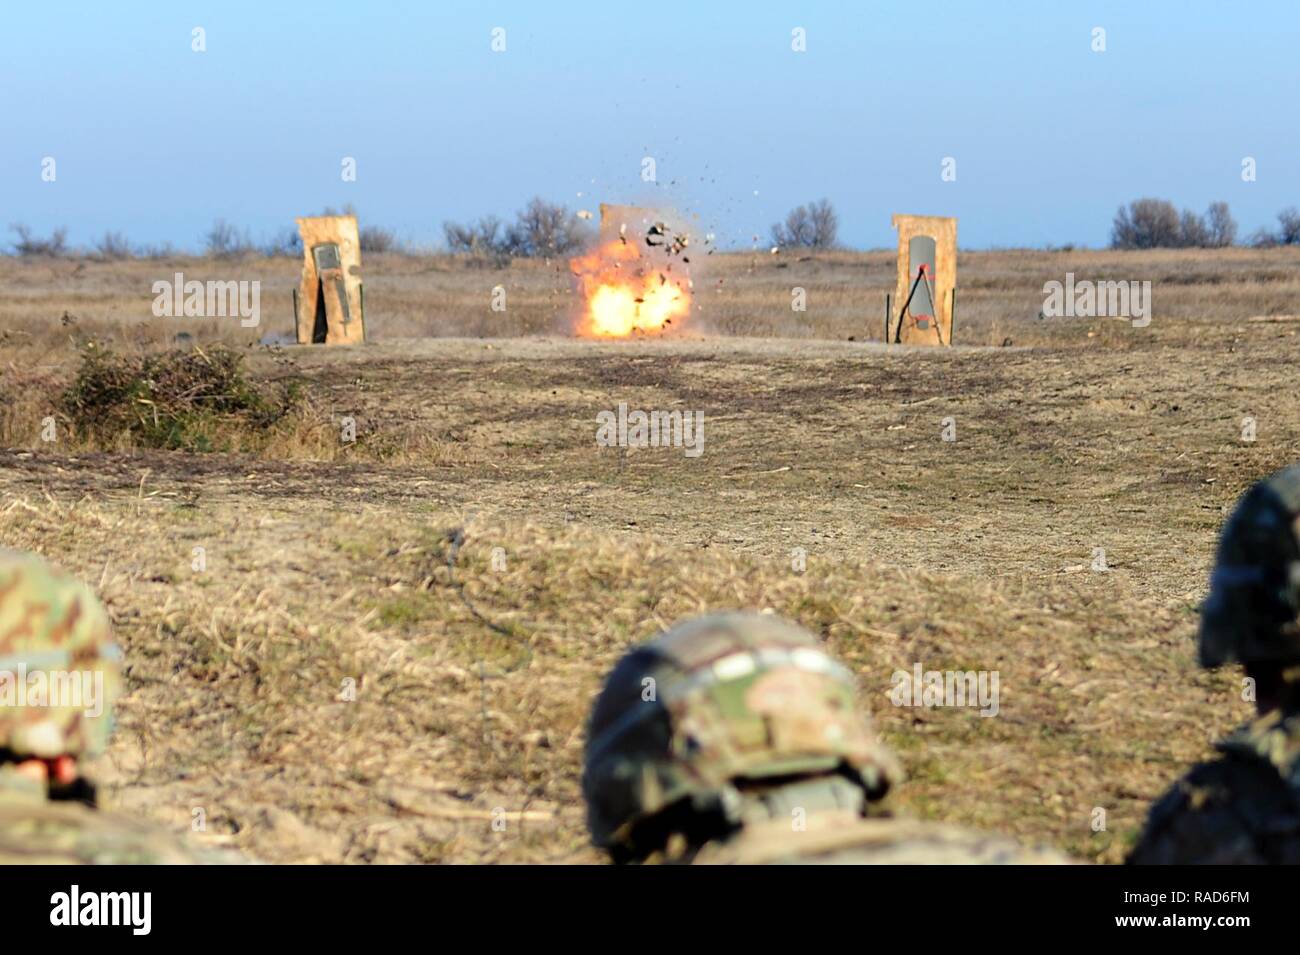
(922, 307)
(330, 301)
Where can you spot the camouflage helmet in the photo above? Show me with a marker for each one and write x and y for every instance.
(59, 669)
(1252, 613)
(718, 702)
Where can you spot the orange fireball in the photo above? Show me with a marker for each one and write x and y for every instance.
(624, 292)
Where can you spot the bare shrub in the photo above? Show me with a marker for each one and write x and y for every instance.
(1193, 233)
(543, 229)
(1262, 238)
(378, 239)
(485, 235)
(825, 223)
(179, 400)
(28, 244)
(1222, 227)
(796, 231)
(1146, 224)
(287, 242)
(114, 246)
(1288, 232)
(814, 226)
(159, 250)
(486, 241)
(224, 241)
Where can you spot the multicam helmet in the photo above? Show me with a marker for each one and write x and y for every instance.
(59, 669)
(1252, 614)
(711, 706)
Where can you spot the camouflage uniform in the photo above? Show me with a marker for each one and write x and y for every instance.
(736, 739)
(1244, 807)
(51, 628)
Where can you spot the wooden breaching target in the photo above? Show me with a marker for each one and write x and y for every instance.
(329, 301)
(921, 310)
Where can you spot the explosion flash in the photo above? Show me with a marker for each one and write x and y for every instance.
(633, 284)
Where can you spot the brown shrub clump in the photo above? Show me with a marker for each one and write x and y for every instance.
(174, 400)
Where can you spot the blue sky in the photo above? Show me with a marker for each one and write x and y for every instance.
(155, 140)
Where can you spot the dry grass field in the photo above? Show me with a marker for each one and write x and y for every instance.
(371, 651)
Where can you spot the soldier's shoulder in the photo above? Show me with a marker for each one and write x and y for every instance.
(848, 840)
(70, 833)
(1242, 807)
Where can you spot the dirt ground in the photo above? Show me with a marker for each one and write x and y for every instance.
(372, 657)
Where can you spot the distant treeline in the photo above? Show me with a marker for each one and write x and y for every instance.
(1157, 224)
(222, 241)
(543, 229)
